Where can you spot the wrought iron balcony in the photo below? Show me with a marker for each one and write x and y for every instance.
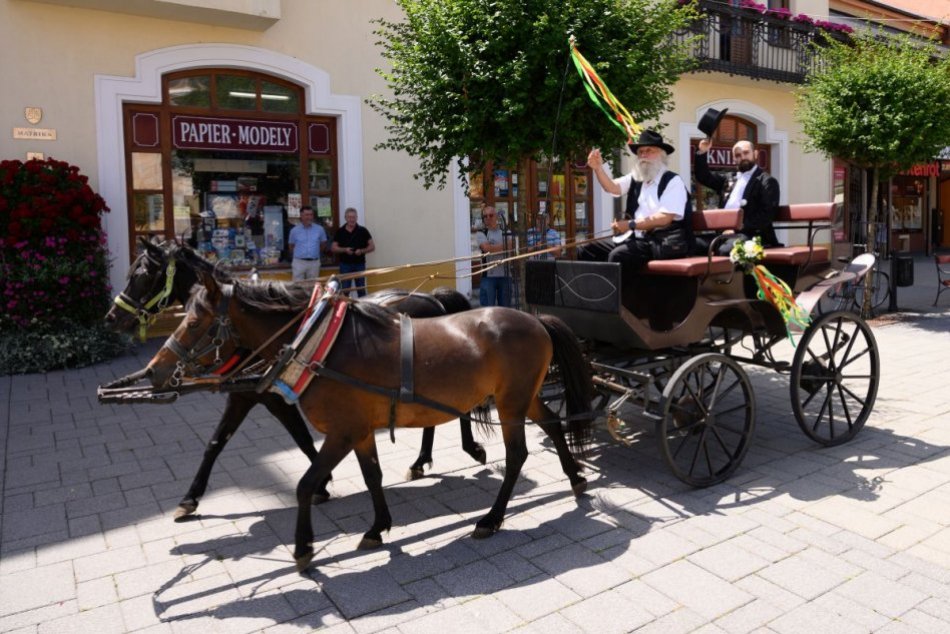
(744, 42)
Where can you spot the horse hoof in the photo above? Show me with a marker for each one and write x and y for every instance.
(319, 498)
(415, 473)
(480, 456)
(579, 488)
(481, 532)
(369, 543)
(184, 510)
(303, 561)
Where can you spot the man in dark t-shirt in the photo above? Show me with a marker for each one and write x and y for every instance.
(351, 244)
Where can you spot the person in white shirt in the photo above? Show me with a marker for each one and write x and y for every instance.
(657, 225)
(751, 188)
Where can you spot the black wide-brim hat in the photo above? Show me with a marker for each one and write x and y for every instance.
(710, 121)
(649, 138)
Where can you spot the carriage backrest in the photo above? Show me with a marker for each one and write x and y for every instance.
(716, 219)
(806, 212)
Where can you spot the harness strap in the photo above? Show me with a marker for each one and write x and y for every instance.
(406, 390)
(322, 370)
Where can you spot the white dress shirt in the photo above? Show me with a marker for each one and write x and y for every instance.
(673, 200)
(738, 190)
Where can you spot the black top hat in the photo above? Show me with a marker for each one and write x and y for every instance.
(649, 138)
(710, 121)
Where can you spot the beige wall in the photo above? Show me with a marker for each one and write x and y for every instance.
(50, 55)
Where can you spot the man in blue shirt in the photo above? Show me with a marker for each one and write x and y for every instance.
(542, 237)
(307, 242)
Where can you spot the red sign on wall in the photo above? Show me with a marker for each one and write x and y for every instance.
(234, 135)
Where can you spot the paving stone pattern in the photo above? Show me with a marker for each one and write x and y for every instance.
(801, 539)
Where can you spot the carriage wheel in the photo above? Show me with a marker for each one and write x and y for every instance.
(708, 417)
(835, 374)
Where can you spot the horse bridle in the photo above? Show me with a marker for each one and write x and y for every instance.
(213, 340)
(146, 311)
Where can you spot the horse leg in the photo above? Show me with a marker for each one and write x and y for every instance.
(334, 449)
(289, 416)
(235, 411)
(469, 446)
(373, 477)
(516, 452)
(539, 413)
(417, 469)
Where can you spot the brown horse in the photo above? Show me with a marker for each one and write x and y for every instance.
(458, 361)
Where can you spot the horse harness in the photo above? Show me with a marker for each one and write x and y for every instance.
(146, 311)
(212, 341)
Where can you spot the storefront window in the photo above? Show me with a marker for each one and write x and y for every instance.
(278, 98)
(194, 91)
(231, 183)
(236, 92)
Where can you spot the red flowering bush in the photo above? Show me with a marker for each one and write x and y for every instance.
(53, 259)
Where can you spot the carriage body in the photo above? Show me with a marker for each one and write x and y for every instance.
(666, 340)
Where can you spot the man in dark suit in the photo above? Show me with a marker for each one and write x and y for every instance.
(751, 188)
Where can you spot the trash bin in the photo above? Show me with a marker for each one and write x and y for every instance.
(902, 269)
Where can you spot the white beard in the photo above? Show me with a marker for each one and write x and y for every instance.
(645, 170)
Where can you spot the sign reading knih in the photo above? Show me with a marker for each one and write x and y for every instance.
(236, 135)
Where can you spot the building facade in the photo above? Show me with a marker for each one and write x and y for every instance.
(217, 120)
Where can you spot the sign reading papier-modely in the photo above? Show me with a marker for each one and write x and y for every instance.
(207, 133)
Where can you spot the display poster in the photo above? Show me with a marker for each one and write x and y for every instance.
(501, 183)
(580, 184)
(323, 207)
(294, 203)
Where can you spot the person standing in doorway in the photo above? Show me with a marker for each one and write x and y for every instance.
(351, 243)
(495, 286)
(307, 241)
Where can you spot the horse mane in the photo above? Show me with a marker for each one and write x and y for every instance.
(272, 297)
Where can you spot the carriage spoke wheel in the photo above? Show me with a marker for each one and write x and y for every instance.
(708, 417)
(834, 380)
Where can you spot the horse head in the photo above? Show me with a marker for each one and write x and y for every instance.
(152, 284)
(204, 340)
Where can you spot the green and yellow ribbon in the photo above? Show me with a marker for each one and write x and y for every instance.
(602, 97)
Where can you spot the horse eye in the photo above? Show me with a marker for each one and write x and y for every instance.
(193, 323)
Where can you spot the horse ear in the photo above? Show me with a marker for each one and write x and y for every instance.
(207, 279)
(152, 247)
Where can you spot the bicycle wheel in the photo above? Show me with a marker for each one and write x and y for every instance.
(880, 290)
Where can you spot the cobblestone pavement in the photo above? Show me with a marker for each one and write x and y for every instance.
(801, 539)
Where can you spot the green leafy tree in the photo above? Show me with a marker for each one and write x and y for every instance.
(489, 80)
(879, 102)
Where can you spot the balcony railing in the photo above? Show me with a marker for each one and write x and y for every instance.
(744, 42)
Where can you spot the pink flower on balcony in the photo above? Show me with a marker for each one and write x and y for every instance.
(781, 13)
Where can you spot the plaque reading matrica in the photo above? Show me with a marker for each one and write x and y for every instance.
(35, 134)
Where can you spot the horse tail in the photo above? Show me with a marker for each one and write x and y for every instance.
(575, 375)
(451, 300)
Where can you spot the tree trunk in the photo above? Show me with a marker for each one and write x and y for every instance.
(871, 244)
